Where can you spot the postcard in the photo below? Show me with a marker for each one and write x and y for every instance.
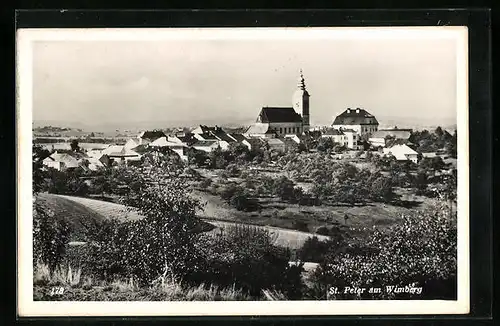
(242, 171)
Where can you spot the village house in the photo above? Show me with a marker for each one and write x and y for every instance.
(276, 144)
(61, 161)
(93, 163)
(357, 119)
(240, 138)
(132, 143)
(294, 138)
(344, 137)
(337, 136)
(177, 147)
(379, 137)
(206, 145)
(402, 153)
(281, 121)
(120, 154)
(216, 133)
(147, 137)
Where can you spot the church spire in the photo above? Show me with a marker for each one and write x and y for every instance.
(301, 84)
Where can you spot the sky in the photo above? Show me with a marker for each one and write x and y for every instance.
(163, 83)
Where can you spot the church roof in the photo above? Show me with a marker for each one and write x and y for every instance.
(355, 117)
(279, 114)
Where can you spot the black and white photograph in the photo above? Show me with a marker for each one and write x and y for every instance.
(243, 170)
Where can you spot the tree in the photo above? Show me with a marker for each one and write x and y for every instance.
(439, 132)
(451, 145)
(74, 145)
(325, 144)
(434, 163)
(421, 250)
(382, 190)
(39, 174)
(284, 188)
(51, 235)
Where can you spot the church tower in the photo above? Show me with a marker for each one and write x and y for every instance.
(301, 102)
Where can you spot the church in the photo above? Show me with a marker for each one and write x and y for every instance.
(281, 121)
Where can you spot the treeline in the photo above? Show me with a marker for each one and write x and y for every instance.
(439, 140)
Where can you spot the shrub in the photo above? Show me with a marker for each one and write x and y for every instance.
(161, 243)
(243, 202)
(421, 251)
(50, 236)
(229, 191)
(313, 250)
(245, 256)
(205, 183)
(300, 226)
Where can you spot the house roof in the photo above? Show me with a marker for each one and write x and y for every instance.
(259, 128)
(152, 135)
(279, 114)
(187, 139)
(112, 149)
(400, 152)
(397, 133)
(207, 129)
(344, 130)
(163, 142)
(255, 141)
(238, 137)
(141, 149)
(275, 141)
(222, 135)
(355, 117)
(207, 136)
(67, 159)
(125, 152)
(333, 132)
(205, 143)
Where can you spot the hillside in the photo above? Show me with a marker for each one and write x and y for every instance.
(78, 210)
(76, 214)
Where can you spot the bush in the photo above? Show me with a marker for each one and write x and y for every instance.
(245, 256)
(314, 250)
(300, 226)
(50, 236)
(243, 202)
(162, 243)
(421, 251)
(205, 183)
(229, 191)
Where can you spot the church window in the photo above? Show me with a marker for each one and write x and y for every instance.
(281, 130)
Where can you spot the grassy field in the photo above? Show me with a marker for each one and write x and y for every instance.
(75, 213)
(283, 215)
(77, 210)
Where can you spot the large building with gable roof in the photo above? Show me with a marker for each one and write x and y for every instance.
(281, 121)
(357, 119)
